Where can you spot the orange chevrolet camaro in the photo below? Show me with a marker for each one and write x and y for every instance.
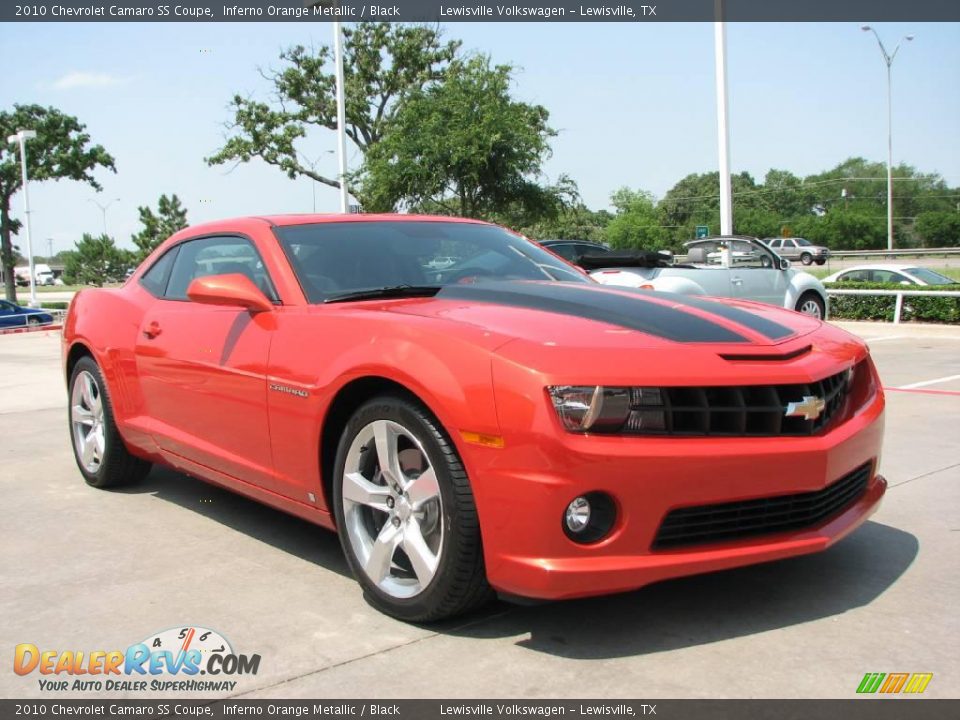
(495, 423)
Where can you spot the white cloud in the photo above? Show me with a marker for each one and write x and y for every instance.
(78, 79)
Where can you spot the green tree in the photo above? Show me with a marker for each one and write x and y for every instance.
(845, 229)
(464, 147)
(61, 150)
(170, 217)
(574, 222)
(637, 222)
(95, 261)
(938, 228)
(382, 63)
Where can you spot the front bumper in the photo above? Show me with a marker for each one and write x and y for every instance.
(523, 489)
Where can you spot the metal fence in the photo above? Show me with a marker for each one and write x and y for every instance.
(908, 252)
(21, 323)
(899, 294)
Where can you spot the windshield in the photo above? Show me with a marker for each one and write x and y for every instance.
(803, 243)
(337, 259)
(929, 276)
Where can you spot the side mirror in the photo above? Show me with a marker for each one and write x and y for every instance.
(784, 264)
(233, 290)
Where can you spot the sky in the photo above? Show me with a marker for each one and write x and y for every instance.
(634, 105)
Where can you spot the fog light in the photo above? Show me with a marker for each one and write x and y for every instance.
(589, 517)
(577, 516)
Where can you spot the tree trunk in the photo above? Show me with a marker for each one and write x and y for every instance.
(6, 253)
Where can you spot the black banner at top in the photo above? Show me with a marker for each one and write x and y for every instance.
(481, 10)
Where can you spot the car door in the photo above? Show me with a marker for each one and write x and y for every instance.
(755, 274)
(202, 367)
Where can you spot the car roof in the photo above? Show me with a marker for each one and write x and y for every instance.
(239, 223)
(880, 266)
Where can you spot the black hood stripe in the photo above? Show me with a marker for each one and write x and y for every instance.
(767, 328)
(614, 308)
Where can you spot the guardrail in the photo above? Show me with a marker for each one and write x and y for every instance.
(906, 252)
(900, 294)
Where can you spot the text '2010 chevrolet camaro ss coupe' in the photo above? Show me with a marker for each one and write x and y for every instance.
(495, 423)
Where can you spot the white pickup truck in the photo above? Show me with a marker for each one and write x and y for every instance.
(731, 266)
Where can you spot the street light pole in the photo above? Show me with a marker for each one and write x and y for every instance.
(21, 138)
(103, 209)
(341, 117)
(723, 117)
(888, 59)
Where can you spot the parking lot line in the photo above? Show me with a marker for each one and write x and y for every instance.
(937, 381)
(920, 391)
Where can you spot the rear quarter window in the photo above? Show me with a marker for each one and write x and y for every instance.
(155, 279)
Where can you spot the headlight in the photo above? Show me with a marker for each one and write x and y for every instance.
(593, 408)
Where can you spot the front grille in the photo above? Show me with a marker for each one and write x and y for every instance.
(732, 521)
(748, 410)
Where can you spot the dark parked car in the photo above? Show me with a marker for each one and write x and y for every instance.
(573, 250)
(15, 316)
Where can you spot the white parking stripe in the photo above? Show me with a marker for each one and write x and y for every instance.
(948, 378)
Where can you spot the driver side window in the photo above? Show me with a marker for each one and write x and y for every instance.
(217, 256)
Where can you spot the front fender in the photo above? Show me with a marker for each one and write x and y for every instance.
(800, 283)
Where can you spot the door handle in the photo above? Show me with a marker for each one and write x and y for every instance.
(736, 281)
(152, 330)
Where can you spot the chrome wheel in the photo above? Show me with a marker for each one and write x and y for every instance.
(392, 509)
(86, 420)
(811, 307)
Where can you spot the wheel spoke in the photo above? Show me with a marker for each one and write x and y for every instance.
(86, 390)
(386, 439)
(86, 451)
(98, 443)
(357, 489)
(422, 559)
(381, 554)
(82, 415)
(424, 488)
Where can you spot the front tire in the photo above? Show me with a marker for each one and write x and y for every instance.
(405, 513)
(101, 455)
(806, 259)
(821, 261)
(811, 304)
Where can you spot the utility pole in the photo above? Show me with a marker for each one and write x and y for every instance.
(723, 117)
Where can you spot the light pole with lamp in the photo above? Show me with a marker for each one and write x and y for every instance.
(103, 209)
(312, 164)
(888, 59)
(21, 139)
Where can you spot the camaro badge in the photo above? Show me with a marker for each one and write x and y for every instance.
(809, 408)
(289, 390)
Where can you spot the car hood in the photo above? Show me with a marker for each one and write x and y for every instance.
(593, 315)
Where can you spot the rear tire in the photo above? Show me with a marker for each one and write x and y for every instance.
(100, 452)
(32, 320)
(410, 533)
(811, 304)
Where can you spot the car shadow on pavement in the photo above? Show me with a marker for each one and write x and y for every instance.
(709, 608)
(285, 532)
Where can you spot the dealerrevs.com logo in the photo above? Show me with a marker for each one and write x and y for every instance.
(168, 661)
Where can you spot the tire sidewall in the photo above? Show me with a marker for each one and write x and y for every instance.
(411, 417)
(806, 259)
(811, 296)
(110, 433)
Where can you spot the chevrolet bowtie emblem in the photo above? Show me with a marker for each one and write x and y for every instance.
(809, 408)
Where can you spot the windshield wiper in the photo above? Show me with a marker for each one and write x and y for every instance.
(390, 291)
